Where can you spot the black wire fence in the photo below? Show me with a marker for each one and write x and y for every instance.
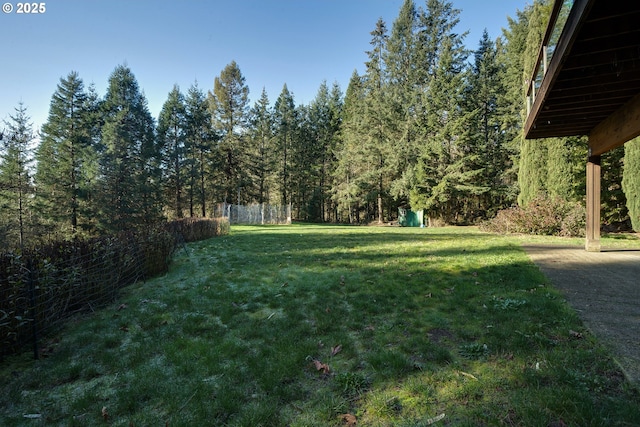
(41, 288)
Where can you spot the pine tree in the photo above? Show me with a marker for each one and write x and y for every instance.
(404, 63)
(66, 160)
(381, 106)
(631, 181)
(336, 114)
(16, 189)
(486, 144)
(532, 171)
(285, 118)
(324, 116)
(229, 106)
(347, 192)
(199, 143)
(130, 195)
(613, 199)
(171, 133)
(444, 175)
(511, 48)
(303, 166)
(262, 155)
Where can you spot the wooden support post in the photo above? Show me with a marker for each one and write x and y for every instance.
(593, 204)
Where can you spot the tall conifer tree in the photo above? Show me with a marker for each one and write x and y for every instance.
(67, 164)
(171, 133)
(533, 169)
(444, 175)
(199, 142)
(381, 102)
(16, 189)
(285, 117)
(130, 195)
(263, 159)
(229, 106)
(347, 191)
(324, 115)
(487, 143)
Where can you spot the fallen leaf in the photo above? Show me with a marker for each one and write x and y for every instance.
(105, 414)
(335, 350)
(321, 366)
(370, 328)
(349, 419)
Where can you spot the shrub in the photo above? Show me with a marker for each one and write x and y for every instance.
(544, 215)
(196, 229)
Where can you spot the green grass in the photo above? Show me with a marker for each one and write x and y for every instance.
(429, 322)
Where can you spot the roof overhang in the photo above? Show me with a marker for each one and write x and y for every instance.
(592, 82)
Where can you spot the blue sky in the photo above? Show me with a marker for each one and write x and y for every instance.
(297, 42)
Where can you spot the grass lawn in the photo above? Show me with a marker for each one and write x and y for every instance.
(310, 325)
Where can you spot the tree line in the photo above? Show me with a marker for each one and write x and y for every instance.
(428, 124)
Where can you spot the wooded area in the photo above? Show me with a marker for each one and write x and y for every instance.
(427, 125)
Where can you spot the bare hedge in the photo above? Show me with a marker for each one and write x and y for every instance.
(42, 287)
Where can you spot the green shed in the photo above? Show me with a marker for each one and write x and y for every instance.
(409, 218)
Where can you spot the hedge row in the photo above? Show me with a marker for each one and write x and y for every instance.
(41, 287)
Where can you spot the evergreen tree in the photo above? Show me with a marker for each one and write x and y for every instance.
(382, 108)
(445, 173)
(285, 122)
(16, 189)
(229, 106)
(171, 133)
(347, 192)
(511, 57)
(336, 113)
(532, 171)
(66, 160)
(199, 144)
(631, 181)
(130, 195)
(262, 151)
(324, 116)
(613, 199)
(404, 64)
(397, 56)
(486, 145)
(565, 175)
(303, 166)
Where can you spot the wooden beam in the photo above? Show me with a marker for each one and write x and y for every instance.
(592, 243)
(620, 127)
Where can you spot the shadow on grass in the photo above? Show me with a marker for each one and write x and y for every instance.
(427, 322)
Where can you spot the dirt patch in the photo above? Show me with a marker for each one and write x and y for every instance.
(604, 289)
